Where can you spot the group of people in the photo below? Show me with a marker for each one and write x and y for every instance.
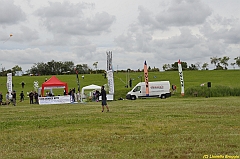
(96, 95)
(33, 97)
(9, 98)
(12, 98)
(75, 96)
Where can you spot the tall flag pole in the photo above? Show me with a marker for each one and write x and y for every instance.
(146, 78)
(181, 77)
(77, 78)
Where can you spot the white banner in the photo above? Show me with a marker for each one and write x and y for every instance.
(181, 77)
(54, 100)
(9, 82)
(110, 81)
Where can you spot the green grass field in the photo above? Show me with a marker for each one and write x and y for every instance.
(150, 128)
(177, 127)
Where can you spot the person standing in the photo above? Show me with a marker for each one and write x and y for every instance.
(104, 99)
(97, 95)
(21, 96)
(14, 98)
(1, 98)
(23, 84)
(78, 96)
(31, 97)
(7, 98)
(36, 97)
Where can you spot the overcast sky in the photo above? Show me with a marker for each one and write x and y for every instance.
(158, 31)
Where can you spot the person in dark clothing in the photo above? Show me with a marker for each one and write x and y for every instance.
(104, 99)
(21, 96)
(130, 83)
(97, 95)
(23, 84)
(31, 97)
(1, 98)
(14, 98)
(36, 97)
(73, 94)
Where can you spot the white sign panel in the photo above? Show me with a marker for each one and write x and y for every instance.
(9, 82)
(109, 97)
(110, 81)
(54, 100)
(181, 77)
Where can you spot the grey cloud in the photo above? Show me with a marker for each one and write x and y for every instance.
(184, 40)
(67, 18)
(10, 13)
(227, 32)
(125, 41)
(85, 52)
(27, 56)
(26, 34)
(179, 13)
(188, 47)
(184, 46)
(137, 39)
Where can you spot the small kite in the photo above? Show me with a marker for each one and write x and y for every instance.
(8, 38)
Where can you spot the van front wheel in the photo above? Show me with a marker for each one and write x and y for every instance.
(163, 96)
(133, 97)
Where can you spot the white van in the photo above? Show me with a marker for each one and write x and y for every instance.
(159, 89)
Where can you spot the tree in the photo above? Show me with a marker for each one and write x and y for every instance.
(193, 67)
(52, 68)
(165, 67)
(219, 67)
(175, 65)
(224, 61)
(237, 59)
(154, 69)
(205, 66)
(16, 68)
(215, 60)
(39, 68)
(82, 69)
(68, 66)
(197, 64)
(233, 65)
(95, 65)
(3, 71)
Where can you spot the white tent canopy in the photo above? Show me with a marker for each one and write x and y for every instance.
(90, 87)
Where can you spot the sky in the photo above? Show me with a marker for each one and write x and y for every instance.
(156, 31)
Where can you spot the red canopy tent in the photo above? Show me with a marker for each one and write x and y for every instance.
(54, 82)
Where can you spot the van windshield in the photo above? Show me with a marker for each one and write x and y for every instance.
(138, 88)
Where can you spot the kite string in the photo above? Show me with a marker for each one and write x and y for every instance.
(8, 38)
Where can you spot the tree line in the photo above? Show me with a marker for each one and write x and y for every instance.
(54, 68)
(219, 64)
(68, 67)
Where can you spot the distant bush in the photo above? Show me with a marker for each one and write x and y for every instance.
(217, 91)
